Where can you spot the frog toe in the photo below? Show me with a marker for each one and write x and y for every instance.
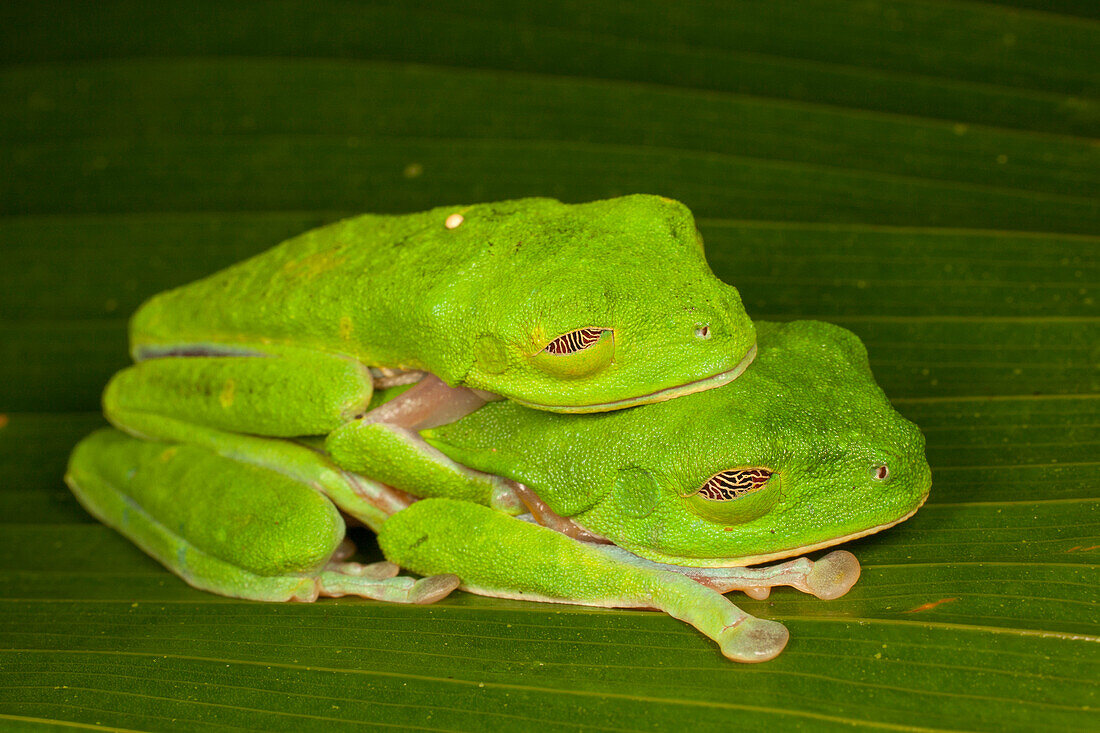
(833, 575)
(335, 582)
(434, 588)
(753, 639)
(373, 571)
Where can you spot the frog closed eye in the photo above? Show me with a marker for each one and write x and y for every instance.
(737, 495)
(578, 353)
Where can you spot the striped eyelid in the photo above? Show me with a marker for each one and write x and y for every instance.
(574, 341)
(735, 483)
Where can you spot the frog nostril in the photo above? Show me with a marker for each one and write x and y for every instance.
(702, 330)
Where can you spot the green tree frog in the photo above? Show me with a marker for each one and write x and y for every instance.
(659, 506)
(568, 308)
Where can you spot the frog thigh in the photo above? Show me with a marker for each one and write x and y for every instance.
(278, 391)
(228, 527)
(497, 555)
(368, 501)
(287, 392)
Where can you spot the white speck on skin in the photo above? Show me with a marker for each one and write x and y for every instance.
(454, 221)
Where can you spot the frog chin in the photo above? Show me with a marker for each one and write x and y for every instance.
(699, 385)
(736, 562)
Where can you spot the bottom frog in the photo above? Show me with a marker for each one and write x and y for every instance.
(659, 506)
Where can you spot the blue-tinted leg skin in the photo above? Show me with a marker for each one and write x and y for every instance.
(501, 556)
(229, 527)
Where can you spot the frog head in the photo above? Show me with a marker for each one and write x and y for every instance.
(589, 307)
(802, 452)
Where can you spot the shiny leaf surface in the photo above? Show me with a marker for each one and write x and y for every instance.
(926, 174)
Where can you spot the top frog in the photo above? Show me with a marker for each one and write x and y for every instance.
(569, 308)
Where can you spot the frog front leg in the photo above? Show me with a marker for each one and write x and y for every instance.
(828, 578)
(230, 527)
(501, 556)
(385, 444)
(399, 457)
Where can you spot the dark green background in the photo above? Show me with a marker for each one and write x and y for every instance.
(925, 173)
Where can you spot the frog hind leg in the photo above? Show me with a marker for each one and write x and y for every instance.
(501, 556)
(228, 403)
(229, 527)
(273, 391)
(198, 396)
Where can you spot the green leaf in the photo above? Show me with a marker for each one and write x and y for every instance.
(923, 172)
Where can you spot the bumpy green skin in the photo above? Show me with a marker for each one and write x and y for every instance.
(181, 505)
(256, 517)
(510, 558)
(808, 408)
(475, 304)
(296, 393)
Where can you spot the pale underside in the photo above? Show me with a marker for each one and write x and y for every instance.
(723, 562)
(540, 513)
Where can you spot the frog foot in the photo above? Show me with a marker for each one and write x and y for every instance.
(833, 575)
(753, 639)
(380, 582)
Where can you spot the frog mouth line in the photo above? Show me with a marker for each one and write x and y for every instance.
(699, 385)
(720, 562)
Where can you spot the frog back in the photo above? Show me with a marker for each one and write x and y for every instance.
(583, 307)
(368, 286)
